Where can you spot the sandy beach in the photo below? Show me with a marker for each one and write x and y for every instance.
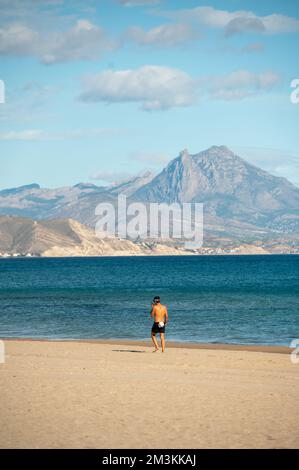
(121, 395)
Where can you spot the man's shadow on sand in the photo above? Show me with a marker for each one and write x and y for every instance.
(128, 350)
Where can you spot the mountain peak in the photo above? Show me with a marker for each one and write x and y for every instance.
(184, 154)
(222, 149)
(216, 151)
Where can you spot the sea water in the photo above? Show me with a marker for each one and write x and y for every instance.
(214, 299)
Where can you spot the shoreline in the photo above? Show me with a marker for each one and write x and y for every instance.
(271, 349)
(192, 254)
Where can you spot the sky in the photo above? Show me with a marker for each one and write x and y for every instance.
(97, 91)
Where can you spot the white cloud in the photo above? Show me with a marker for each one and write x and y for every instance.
(245, 25)
(241, 84)
(160, 88)
(28, 134)
(39, 134)
(84, 41)
(238, 21)
(276, 24)
(155, 87)
(17, 39)
(163, 35)
(22, 8)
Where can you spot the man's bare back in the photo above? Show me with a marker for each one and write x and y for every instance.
(160, 315)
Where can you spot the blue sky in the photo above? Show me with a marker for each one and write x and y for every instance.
(100, 90)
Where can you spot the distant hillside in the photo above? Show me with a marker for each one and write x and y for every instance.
(242, 203)
(67, 237)
(77, 202)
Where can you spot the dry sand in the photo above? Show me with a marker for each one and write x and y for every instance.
(99, 395)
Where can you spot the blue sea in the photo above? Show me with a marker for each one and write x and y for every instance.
(211, 299)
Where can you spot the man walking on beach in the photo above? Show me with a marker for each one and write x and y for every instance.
(160, 315)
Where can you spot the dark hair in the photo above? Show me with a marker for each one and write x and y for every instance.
(156, 299)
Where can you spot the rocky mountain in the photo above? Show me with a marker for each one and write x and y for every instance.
(229, 187)
(242, 203)
(77, 202)
(67, 237)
